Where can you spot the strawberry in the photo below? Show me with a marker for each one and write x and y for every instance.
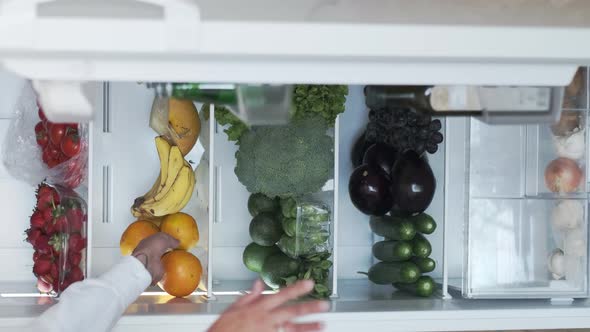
(65, 284)
(76, 274)
(42, 244)
(43, 190)
(36, 256)
(76, 242)
(57, 223)
(55, 285)
(43, 286)
(42, 266)
(47, 199)
(74, 258)
(54, 271)
(37, 220)
(60, 224)
(47, 215)
(33, 234)
(58, 243)
(75, 218)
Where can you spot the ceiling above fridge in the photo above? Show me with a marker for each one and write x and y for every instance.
(478, 42)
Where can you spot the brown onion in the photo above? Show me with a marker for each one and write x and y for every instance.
(563, 175)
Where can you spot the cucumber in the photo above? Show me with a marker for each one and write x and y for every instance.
(423, 287)
(424, 264)
(420, 246)
(424, 223)
(384, 273)
(392, 251)
(394, 228)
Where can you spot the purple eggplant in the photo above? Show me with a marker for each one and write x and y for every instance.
(381, 155)
(412, 184)
(369, 189)
(358, 150)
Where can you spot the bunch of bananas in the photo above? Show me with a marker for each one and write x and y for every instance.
(172, 190)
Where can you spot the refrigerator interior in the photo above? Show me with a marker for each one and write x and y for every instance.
(124, 163)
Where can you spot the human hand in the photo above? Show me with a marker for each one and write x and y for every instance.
(255, 312)
(151, 249)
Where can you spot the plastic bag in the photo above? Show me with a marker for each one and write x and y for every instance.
(306, 222)
(22, 155)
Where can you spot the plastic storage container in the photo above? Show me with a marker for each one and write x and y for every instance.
(58, 234)
(526, 226)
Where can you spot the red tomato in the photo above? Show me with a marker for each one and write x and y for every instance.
(52, 163)
(62, 158)
(53, 151)
(42, 114)
(45, 156)
(70, 145)
(39, 127)
(71, 128)
(42, 138)
(56, 133)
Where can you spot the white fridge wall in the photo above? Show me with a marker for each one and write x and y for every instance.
(18, 200)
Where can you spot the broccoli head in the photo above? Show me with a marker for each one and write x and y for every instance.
(326, 101)
(290, 160)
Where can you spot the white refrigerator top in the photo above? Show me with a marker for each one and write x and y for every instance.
(526, 42)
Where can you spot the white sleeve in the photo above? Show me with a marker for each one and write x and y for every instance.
(95, 305)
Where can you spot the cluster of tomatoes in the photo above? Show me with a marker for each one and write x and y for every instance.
(57, 235)
(60, 143)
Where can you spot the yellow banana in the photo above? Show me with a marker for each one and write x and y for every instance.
(170, 202)
(142, 199)
(163, 148)
(175, 164)
(189, 192)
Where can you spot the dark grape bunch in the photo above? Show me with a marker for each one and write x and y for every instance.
(403, 128)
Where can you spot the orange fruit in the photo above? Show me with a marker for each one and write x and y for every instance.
(134, 233)
(182, 273)
(182, 227)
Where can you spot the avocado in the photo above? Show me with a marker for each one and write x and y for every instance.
(266, 229)
(258, 203)
(255, 255)
(277, 267)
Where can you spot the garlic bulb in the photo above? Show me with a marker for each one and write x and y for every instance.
(567, 214)
(572, 147)
(556, 264)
